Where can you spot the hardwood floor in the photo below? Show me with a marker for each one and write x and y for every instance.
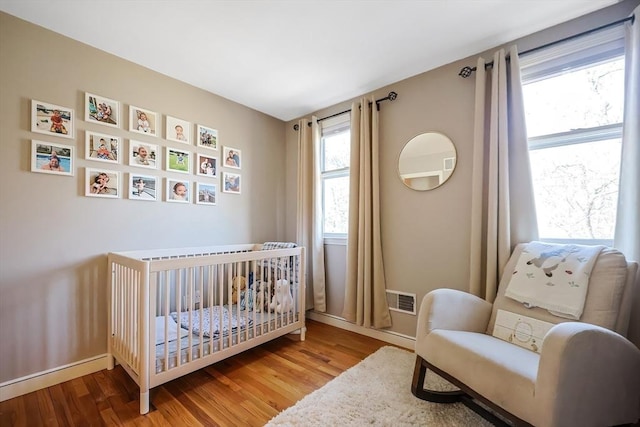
(245, 390)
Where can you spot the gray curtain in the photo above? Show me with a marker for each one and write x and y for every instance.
(365, 301)
(309, 230)
(627, 234)
(502, 204)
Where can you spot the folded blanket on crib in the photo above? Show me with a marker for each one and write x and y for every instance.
(553, 277)
(209, 329)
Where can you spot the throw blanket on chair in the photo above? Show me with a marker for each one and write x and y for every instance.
(553, 277)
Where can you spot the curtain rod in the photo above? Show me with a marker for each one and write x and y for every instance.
(391, 97)
(466, 71)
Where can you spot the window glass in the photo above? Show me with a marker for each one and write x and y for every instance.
(335, 157)
(336, 205)
(336, 150)
(576, 189)
(582, 98)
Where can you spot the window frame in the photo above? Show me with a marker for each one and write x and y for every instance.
(332, 126)
(593, 49)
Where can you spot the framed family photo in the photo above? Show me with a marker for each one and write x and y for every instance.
(207, 137)
(178, 130)
(52, 119)
(143, 155)
(98, 109)
(232, 157)
(206, 193)
(207, 165)
(231, 182)
(102, 183)
(101, 147)
(143, 121)
(56, 159)
(177, 191)
(177, 160)
(143, 187)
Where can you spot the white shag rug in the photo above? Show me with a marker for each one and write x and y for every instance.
(377, 392)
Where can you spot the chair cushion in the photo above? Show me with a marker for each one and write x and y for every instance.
(604, 296)
(486, 364)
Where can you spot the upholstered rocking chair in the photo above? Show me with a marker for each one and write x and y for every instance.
(579, 373)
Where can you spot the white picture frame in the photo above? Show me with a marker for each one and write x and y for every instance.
(207, 137)
(143, 121)
(143, 154)
(101, 147)
(177, 160)
(177, 191)
(206, 193)
(231, 183)
(52, 119)
(231, 158)
(102, 183)
(177, 130)
(101, 110)
(143, 187)
(52, 158)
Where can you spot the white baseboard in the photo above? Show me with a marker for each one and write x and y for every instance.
(44, 379)
(391, 337)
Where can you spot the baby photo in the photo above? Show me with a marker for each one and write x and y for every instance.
(142, 154)
(177, 191)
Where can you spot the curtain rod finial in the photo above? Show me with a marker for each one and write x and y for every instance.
(466, 71)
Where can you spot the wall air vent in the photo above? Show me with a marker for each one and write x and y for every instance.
(402, 302)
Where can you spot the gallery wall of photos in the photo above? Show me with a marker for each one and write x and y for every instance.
(194, 150)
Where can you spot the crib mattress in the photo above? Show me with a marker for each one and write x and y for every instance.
(192, 347)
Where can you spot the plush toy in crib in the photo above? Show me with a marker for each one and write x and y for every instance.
(282, 300)
(262, 295)
(238, 285)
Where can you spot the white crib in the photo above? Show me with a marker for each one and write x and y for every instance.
(172, 311)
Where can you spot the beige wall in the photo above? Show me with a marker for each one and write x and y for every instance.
(425, 235)
(53, 239)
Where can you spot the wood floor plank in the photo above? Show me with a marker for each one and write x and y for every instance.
(247, 389)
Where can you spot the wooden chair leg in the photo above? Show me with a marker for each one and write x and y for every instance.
(418, 390)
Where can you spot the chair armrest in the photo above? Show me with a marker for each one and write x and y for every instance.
(587, 374)
(453, 310)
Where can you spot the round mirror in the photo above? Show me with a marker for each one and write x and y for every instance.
(427, 161)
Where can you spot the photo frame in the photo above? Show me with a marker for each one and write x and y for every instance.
(102, 183)
(177, 160)
(232, 158)
(177, 130)
(177, 191)
(207, 165)
(98, 109)
(207, 137)
(53, 158)
(206, 193)
(102, 148)
(143, 155)
(143, 187)
(143, 121)
(52, 119)
(231, 182)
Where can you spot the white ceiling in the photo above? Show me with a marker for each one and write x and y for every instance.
(288, 58)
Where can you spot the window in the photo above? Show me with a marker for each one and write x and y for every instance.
(573, 98)
(335, 145)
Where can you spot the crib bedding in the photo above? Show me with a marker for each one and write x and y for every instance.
(249, 321)
(213, 320)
